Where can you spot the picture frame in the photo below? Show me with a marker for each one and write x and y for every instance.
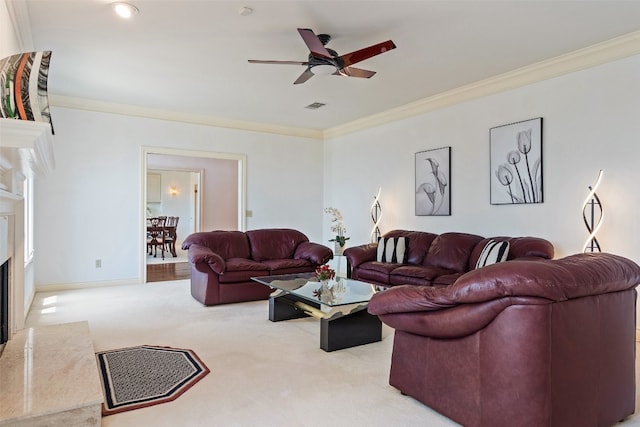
(433, 182)
(516, 175)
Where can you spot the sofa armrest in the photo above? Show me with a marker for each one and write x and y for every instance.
(313, 252)
(408, 299)
(575, 276)
(358, 254)
(454, 322)
(202, 254)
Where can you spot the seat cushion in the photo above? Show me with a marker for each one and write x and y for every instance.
(283, 264)
(446, 279)
(376, 271)
(416, 275)
(242, 270)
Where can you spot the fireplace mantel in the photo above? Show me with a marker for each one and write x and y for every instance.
(26, 149)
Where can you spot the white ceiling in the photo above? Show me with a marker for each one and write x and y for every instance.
(189, 57)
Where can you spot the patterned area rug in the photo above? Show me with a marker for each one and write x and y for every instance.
(146, 375)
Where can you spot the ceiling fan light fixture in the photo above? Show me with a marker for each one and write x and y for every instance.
(323, 61)
(323, 69)
(315, 105)
(124, 10)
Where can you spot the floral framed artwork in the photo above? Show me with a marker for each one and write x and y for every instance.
(433, 178)
(516, 163)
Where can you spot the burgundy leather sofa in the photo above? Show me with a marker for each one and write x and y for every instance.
(521, 343)
(223, 262)
(436, 260)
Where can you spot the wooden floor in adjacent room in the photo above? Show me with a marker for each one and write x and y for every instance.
(170, 271)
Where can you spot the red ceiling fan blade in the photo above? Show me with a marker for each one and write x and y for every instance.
(259, 61)
(355, 72)
(366, 53)
(313, 43)
(306, 75)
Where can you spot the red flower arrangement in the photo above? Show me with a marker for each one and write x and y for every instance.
(324, 272)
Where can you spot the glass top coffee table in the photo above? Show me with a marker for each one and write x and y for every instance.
(340, 305)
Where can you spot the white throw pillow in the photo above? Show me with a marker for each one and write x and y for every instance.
(493, 252)
(392, 249)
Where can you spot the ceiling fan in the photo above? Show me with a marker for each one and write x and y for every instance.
(326, 61)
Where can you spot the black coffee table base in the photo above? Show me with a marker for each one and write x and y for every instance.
(343, 327)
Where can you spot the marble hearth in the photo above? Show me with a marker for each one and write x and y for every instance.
(50, 378)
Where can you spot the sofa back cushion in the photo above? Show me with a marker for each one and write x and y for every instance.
(227, 244)
(418, 244)
(519, 247)
(452, 251)
(526, 247)
(274, 243)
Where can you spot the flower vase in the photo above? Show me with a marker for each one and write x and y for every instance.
(338, 250)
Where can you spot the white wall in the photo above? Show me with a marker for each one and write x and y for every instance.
(591, 122)
(90, 207)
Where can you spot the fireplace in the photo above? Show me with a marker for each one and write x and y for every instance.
(27, 150)
(4, 304)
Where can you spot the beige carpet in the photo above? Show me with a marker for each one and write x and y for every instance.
(262, 373)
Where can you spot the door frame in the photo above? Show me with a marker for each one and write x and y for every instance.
(242, 192)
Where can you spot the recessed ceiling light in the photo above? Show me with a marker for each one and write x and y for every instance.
(245, 11)
(124, 10)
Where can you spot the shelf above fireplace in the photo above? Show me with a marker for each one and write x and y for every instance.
(25, 147)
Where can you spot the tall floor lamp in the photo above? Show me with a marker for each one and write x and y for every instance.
(376, 216)
(592, 214)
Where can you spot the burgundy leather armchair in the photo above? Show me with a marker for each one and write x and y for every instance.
(223, 262)
(520, 343)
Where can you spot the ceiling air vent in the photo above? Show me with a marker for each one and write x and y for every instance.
(315, 105)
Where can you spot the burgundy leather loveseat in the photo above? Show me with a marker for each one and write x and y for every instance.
(521, 343)
(223, 262)
(435, 260)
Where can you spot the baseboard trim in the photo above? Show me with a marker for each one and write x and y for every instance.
(54, 287)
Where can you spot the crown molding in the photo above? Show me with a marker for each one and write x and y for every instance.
(611, 50)
(19, 15)
(152, 113)
(601, 53)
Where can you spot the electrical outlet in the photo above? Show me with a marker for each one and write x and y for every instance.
(249, 213)
(98, 263)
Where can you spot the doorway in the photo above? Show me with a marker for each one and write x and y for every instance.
(178, 181)
(173, 192)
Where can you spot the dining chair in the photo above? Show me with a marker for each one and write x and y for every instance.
(171, 227)
(156, 234)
